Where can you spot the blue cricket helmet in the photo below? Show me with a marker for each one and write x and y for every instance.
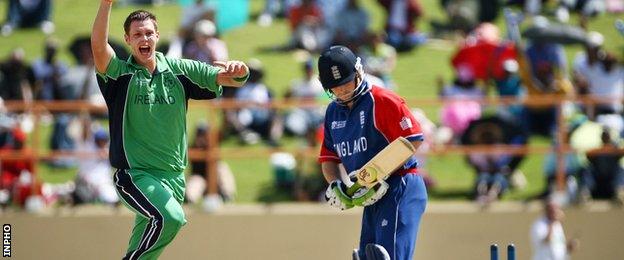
(338, 66)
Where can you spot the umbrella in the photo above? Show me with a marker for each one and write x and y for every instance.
(81, 45)
(556, 33)
(493, 130)
(496, 130)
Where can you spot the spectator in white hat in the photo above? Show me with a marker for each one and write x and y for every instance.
(206, 47)
(597, 73)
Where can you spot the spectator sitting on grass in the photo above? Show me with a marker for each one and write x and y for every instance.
(308, 27)
(191, 15)
(606, 79)
(206, 47)
(17, 79)
(352, 25)
(586, 61)
(510, 85)
(196, 181)
(607, 174)
(199, 10)
(253, 122)
(81, 77)
(577, 179)
(48, 73)
(93, 182)
(379, 59)
(462, 16)
(547, 64)
(493, 169)
(305, 121)
(17, 180)
(459, 109)
(273, 9)
(28, 14)
(401, 15)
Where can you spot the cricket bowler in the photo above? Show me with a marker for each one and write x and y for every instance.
(147, 98)
(360, 122)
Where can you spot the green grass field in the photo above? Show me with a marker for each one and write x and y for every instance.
(415, 74)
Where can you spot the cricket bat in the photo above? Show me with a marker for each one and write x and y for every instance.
(397, 153)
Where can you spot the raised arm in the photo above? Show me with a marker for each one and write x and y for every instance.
(102, 51)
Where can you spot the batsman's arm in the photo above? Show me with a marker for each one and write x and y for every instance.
(335, 195)
(102, 51)
(330, 170)
(327, 157)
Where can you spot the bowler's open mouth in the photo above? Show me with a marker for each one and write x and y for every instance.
(145, 50)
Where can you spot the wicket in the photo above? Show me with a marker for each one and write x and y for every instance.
(511, 252)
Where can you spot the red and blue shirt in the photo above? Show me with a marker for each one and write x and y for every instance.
(353, 136)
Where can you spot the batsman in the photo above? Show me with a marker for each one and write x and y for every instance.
(147, 98)
(361, 121)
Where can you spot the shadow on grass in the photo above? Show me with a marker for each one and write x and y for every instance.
(450, 194)
(270, 193)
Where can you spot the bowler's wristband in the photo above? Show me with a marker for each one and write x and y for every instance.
(242, 79)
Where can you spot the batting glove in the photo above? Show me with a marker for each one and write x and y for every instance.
(366, 197)
(336, 196)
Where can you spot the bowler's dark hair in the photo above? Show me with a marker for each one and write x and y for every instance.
(139, 15)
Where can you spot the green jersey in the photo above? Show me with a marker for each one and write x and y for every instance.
(147, 112)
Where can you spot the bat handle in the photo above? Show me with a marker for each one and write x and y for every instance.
(351, 190)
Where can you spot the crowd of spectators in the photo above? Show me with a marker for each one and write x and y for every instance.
(531, 67)
(485, 63)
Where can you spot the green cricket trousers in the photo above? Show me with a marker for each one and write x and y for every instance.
(156, 197)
